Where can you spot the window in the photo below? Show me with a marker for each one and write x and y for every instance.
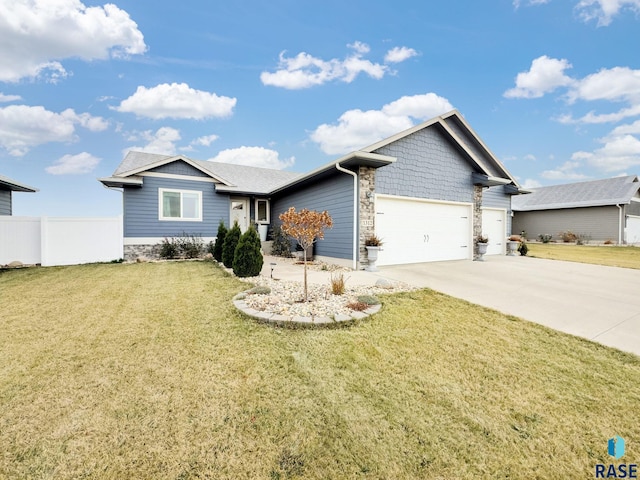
(262, 211)
(185, 205)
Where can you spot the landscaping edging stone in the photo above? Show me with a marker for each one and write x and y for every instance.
(297, 321)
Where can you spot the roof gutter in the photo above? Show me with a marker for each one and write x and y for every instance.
(355, 211)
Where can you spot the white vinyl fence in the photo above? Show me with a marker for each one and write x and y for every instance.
(60, 240)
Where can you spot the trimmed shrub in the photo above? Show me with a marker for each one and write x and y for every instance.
(368, 299)
(169, 248)
(247, 259)
(281, 246)
(191, 245)
(260, 290)
(229, 246)
(217, 248)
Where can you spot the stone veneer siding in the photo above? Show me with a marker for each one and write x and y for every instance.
(477, 217)
(132, 252)
(367, 217)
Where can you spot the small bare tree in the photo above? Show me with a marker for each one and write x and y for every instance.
(305, 227)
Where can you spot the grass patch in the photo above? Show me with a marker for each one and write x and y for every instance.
(612, 256)
(147, 371)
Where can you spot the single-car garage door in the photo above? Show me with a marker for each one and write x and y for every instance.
(494, 226)
(415, 230)
(632, 230)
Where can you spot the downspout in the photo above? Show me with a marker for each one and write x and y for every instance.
(355, 211)
(619, 224)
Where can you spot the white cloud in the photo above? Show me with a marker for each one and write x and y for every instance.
(357, 129)
(630, 129)
(530, 157)
(531, 183)
(24, 127)
(9, 98)
(205, 141)
(603, 11)
(564, 172)
(399, 54)
(38, 34)
(613, 84)
(620, 152)
(74, 164)
(176, 100)
(305, 70)
(421, 107)
(162, 141)
(528, 3)
(255, 157)
(545, 75)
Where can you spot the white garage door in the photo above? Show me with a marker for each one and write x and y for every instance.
(632, 231)
(415, 230)
(494, 226)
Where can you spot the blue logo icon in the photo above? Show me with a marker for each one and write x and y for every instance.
(616, 447)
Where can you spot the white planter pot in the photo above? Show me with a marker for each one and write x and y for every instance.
(512, 247)
(262, 231)
(372, 256)
(482, 249)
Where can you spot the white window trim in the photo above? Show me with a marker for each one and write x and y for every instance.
(162, 218)
(268, 221)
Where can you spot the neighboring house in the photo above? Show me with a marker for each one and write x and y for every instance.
(427, 191)
(7, 187)
(599, 210)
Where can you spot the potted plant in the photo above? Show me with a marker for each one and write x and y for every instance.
(512, 244)
(372, 244)
(482, 242)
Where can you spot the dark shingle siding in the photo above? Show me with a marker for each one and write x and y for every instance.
(427, 166)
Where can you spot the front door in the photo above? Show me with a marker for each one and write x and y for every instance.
(240, 212)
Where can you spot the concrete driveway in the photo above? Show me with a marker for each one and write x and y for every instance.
(591, 301)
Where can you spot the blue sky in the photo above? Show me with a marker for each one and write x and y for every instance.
(551, 86)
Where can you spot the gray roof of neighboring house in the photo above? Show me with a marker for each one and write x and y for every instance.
(610, 191)
(8, 184)
(234, 178)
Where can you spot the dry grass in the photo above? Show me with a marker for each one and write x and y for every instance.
(146, 371)
(612, 256)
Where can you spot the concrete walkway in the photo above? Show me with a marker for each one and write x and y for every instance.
(591, 301)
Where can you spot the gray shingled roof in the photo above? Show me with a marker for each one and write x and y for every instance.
(241, 178)
(611, 191)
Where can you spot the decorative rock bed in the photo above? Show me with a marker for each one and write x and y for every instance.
(280, 302)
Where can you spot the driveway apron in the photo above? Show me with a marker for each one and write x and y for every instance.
(591, 301)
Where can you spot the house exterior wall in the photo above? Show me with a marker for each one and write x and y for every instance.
(333, 194)
(595, 223)
(5, 202)
(427, 166)
(472, 145)
(141, 216)
(494, 197)
(632, 209)
(179, 168)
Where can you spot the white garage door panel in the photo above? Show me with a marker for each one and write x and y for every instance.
(494, 227)
(419, 231)
(632, 231)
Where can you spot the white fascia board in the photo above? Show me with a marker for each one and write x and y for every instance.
(482, 144)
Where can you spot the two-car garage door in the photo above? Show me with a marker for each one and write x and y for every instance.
(416, 230)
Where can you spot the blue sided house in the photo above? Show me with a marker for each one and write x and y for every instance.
(427, 192)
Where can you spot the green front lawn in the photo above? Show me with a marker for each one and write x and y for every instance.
(609, 255)
(146, 371)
